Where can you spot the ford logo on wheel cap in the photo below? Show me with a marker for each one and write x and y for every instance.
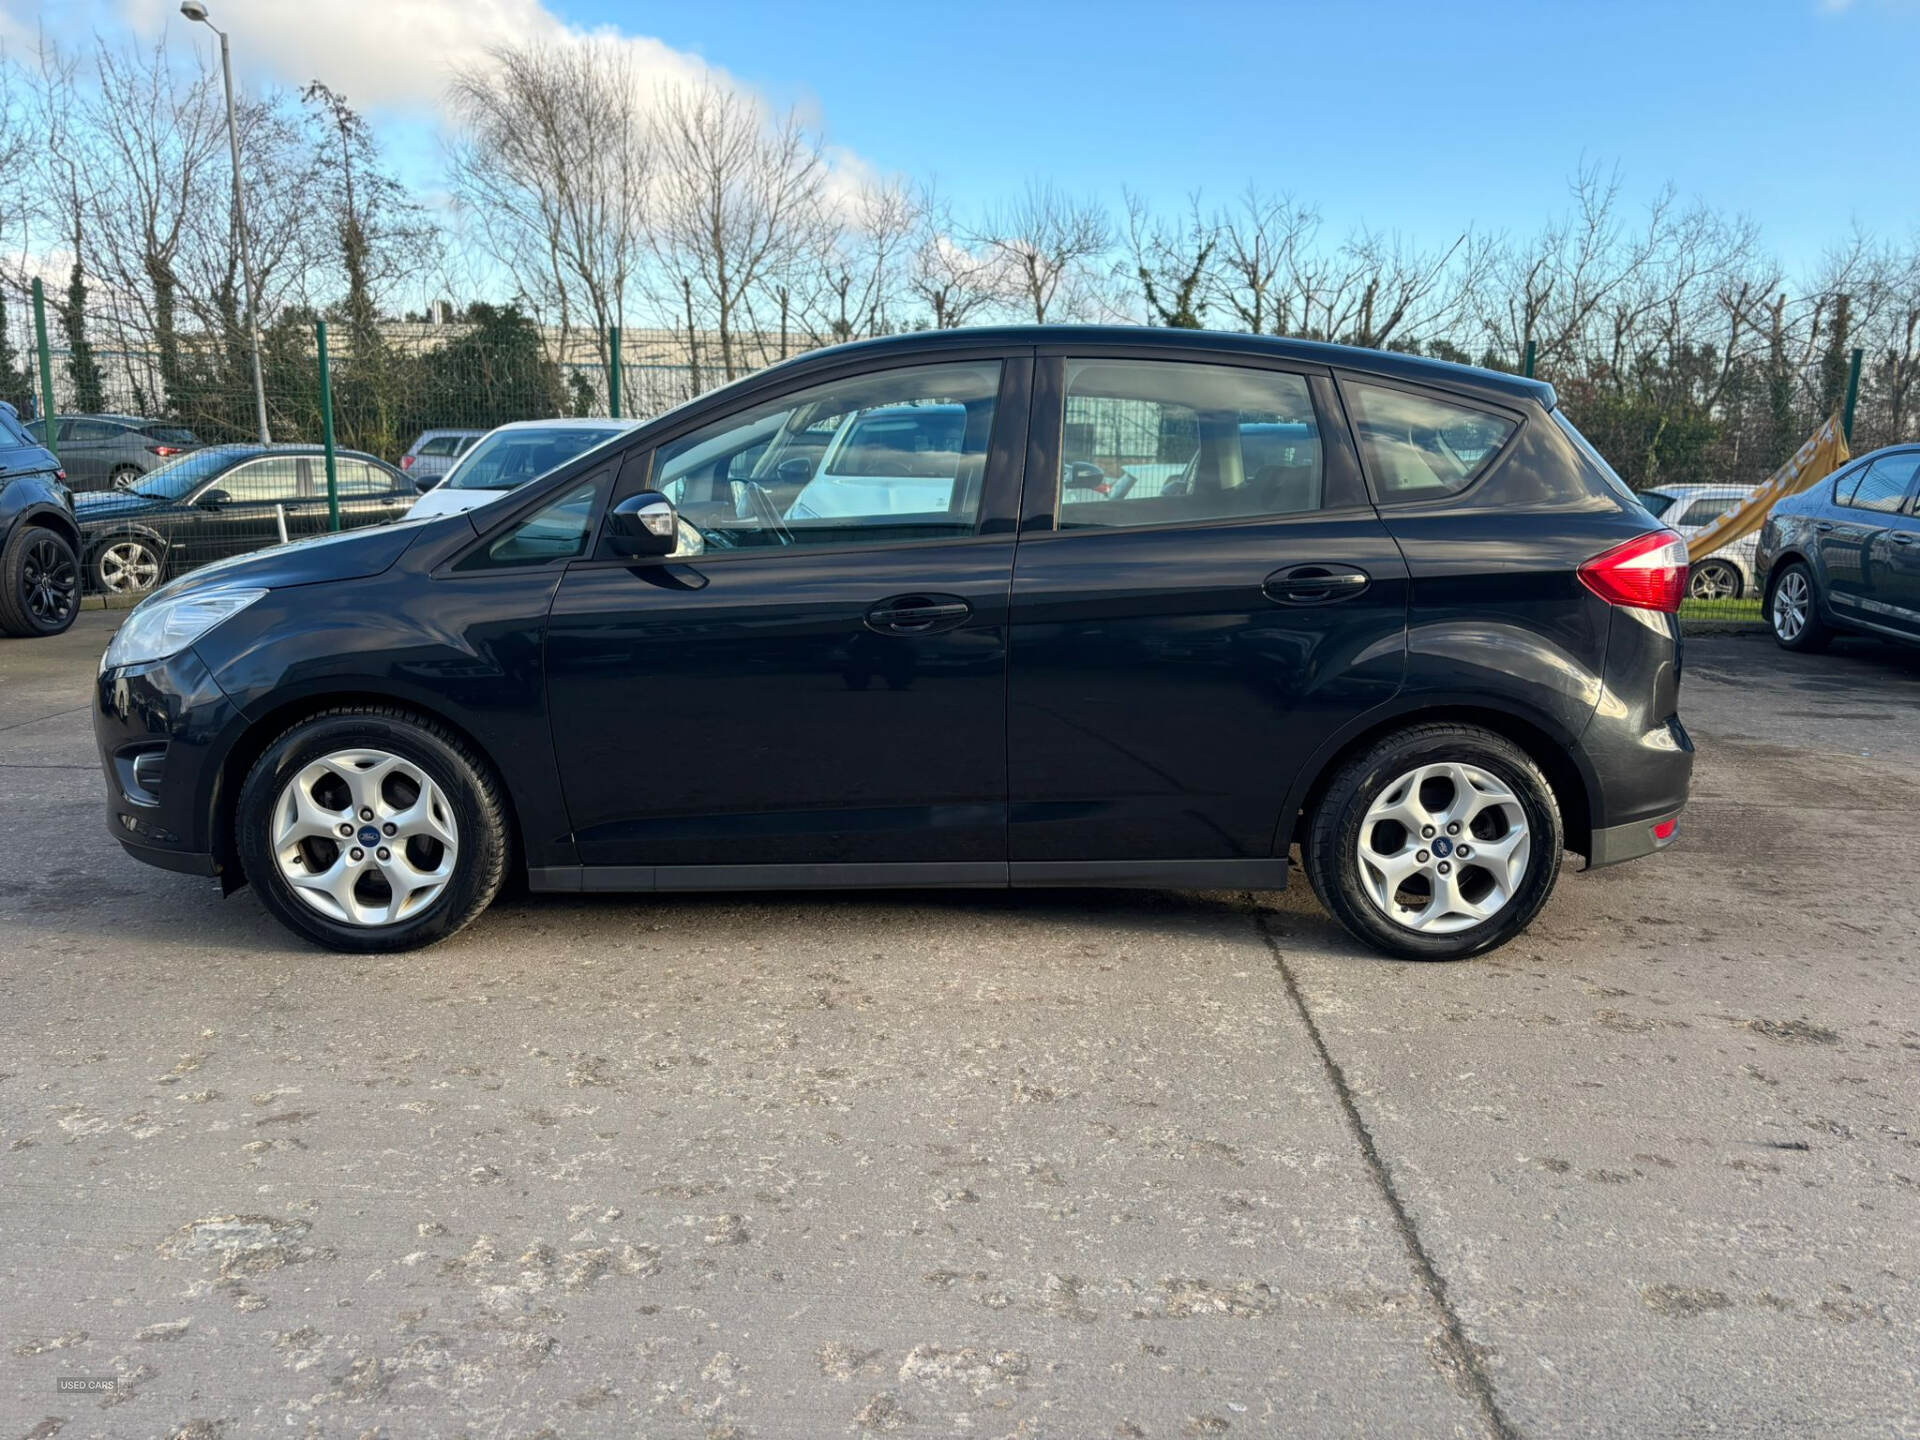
(369, 835)
(1442, 846)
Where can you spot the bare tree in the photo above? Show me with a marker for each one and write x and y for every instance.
(741, 207)
(555, 158)
(953, 282)
(1046, 243)
(1172, 262)
(1260, 236)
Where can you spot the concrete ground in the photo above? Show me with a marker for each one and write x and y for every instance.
(1085, 1164)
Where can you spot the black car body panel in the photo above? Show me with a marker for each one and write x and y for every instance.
(1864, 557)
(33, 490)
(1153, 704)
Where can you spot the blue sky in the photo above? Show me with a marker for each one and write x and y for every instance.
(1421, 117)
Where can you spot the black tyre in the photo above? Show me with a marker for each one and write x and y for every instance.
(39, 582)
(126, 565)
(1793, 610)
(1436, 843)
(367, 828)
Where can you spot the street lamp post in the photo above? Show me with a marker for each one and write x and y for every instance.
(196, 11)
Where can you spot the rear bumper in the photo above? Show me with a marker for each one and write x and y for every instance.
(1629, 842)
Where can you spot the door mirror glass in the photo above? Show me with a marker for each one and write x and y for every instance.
(794, 470)
(643, 525)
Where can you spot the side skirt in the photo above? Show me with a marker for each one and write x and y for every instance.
(1268, 874)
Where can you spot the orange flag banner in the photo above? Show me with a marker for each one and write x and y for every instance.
(1823, 454)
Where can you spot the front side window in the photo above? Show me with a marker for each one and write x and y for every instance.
(1420, 447)
(1882, 486)
(1149, 442)
(357, 477)
(895, 455)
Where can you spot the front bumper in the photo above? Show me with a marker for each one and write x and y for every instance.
(163, 730)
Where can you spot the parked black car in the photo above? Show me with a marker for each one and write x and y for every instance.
(1429, 637)
(113, 452)
(226, 500)
(1844, 554)
(39, 542)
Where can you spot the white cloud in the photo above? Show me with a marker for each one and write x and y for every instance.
(395, 55)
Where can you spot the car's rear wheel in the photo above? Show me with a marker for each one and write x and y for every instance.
(1714, 580)
(39, 582)
(131, 566)
(1793, 611)
(371, 829)
(125, 477)
(1436, 843)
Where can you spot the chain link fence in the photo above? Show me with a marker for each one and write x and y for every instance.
(159, 424)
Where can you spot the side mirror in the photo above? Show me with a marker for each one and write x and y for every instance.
(213, 499)
(643, 526)
(795, 470)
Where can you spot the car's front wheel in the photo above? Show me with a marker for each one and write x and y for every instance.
(371, 829)
(1437, 842)
(39, 582)
(1793, 610)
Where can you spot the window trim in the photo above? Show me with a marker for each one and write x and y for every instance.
(1867, 463)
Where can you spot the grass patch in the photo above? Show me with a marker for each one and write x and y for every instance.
(1742, 611)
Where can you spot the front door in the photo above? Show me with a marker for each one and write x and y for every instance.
(246, 508)
(1861, 552)
(1203, 594)
(818, 677)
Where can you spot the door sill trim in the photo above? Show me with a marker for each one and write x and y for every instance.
(1259, 874)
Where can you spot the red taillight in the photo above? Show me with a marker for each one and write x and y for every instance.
(1665, 829)
(406, 462)
(1649, 573)
(164, 449)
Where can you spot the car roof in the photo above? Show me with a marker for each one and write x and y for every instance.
(453, 430)
(570, 422)
(1389, 363)
(249, 449)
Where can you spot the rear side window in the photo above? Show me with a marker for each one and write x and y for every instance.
(1149, 442)
(170, 434)
(1420, 447)
(1705, 512)
(439, 445)
(1882, 486)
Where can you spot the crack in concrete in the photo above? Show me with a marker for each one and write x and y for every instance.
(1453, 1334)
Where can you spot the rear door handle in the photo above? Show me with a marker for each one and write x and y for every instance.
(918, 614)
(1825, 527)
(1902, 537)
(1315, 584)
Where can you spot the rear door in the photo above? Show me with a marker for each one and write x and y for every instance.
(1185, 638)
(1860, 544)
(1898, 551)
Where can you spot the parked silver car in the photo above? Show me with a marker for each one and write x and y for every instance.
(433, 455)
(1726, 574)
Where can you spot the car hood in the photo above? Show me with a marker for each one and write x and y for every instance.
(445, 500)
(94, 506)
(350, 555)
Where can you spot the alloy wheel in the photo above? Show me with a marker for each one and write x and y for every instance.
(365, 837)
(1712, 581)
(127, 567)
(49, 582)
(126, 477)
(1792, 598)
(1444, 848)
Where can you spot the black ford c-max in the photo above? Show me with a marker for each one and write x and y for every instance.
(980, 607)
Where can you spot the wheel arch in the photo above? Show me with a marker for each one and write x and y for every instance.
(1575, 788)
(50, 517)
(271, 724)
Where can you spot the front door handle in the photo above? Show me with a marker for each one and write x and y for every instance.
(1825, 527)
(1902, 537)
(918, 614)
(1315, 584)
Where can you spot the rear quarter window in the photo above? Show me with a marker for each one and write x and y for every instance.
(1422, 447)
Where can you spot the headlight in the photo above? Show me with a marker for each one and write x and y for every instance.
(165, 626)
